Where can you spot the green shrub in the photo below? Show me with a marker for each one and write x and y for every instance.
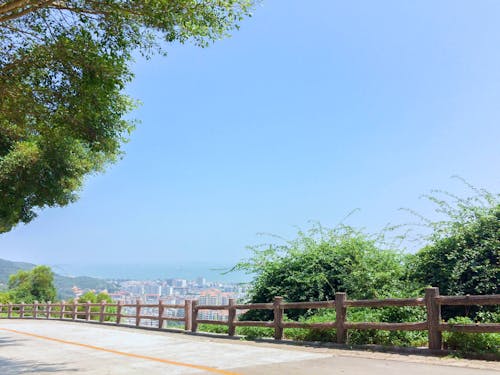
(303, 334)
(471, 342)
(386, 315)
(5, 297)
(319, 263)
(362, 337)
(93, 297)
(491, 316)
(463, 252)
(212, 328)
(248, 332)
(252, 333)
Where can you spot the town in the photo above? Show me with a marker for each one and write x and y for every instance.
(174, 291)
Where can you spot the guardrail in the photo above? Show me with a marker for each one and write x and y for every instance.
(112, 314)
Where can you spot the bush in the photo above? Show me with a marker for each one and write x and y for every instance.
(462, 252)
(212, 328)
(319, 263)
(5, 297)
(248, 332)
(34, 285)
(324, 335)
(362, 337)
(471, 342)
(252, 333)
(96, 298)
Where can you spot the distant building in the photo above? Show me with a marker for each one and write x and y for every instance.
(201, 281)
(214, 297)
(179, 283)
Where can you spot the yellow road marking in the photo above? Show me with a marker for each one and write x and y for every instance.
(133, 355)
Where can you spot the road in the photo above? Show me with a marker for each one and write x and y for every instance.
(57, 347)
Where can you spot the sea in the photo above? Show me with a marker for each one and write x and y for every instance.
(211, 272)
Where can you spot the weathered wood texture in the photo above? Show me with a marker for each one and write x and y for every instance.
(472, 328)
(112, 313)
(309, 305)
(231, 328)
(249, 323)
(255, 306)
(188, 314)
(278, 318)
(340, 315)
(418, 326)
(194, 316)
(433, 318)
(328, 325)
(385, 302)
(492, 299)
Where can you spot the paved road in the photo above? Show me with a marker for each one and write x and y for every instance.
(56, 347)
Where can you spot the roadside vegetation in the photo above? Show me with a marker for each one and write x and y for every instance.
(460, 254)
(95, 298)
(30, 286)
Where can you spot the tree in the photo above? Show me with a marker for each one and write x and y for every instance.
(34, 285)
(92, 297)
(321, 262)
(467, 260)
(63, 66)
(462, 251)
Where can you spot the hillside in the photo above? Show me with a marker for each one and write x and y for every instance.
(63, 284)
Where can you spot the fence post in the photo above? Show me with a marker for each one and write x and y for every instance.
(34, 313)
(278, 318)
(340, 314)
(87, 311)
(21, 310)
(160, 314)
(48, 309)
(9, 310)
(433, 318)
(188, 314)
(231, 317)
(62, 308)
(101, 311)
(194, 316)
(74, 309)
(118, 312)
(137, 312)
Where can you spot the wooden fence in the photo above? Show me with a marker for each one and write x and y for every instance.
(113, 314)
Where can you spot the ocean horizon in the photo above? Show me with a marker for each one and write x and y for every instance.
(211, 272)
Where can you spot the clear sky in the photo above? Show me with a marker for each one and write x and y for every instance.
(311, 110)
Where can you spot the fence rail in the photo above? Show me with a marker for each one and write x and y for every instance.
(107, 313)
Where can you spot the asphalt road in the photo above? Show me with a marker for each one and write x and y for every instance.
(57, 347)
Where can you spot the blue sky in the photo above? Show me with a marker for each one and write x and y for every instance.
(311, 110)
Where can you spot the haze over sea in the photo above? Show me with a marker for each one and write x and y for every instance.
(191, 271)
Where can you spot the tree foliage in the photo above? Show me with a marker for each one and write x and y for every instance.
(461, 256)
(93, 297)
(467, 260)
(461, 251)
(321, 262)
(63, 66)
(34, 285)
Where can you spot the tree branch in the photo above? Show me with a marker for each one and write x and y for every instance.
(13, 5)
(34, 6)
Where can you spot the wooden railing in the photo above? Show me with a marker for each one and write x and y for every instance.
(113, 314)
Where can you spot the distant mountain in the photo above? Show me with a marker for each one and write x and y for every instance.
(8, 267)
(63, 284)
